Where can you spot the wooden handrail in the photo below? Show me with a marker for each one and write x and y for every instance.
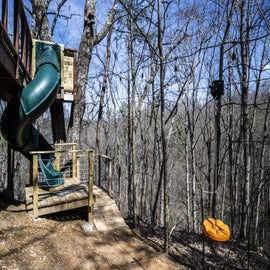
(90, 179)
(76, 160)
(104, 156)
(64, 144)
(21, 45)
(35, 185)
(90, 186)
(109, 168)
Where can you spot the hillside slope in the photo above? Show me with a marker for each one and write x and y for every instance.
(60, 243)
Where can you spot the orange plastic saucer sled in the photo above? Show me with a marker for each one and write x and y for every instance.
(216, 229)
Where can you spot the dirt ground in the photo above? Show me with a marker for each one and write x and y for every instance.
(59, 242)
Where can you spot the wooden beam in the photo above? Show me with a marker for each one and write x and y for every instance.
(16, 35)
(74, 161)
(10, 171)
(110, 176)
(78, 168)
(6, 51)
(57, 160)
(35, 185)
(90, 186)
(4, 13)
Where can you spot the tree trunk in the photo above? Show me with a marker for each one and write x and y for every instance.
(129, 127)
(230, 132)
(262, 173)
(101, 105)
(162, 130)
(218, 114)
(88, 40)
(193, 200)
(245, 124)
(83, 61)
(58, 122)
(188, 201)
(41, 30)
(154, 117)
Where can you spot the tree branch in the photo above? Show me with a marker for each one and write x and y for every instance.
(110, 20)
(61, 4)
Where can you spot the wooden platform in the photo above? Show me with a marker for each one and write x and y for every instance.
(106, 213)
(71, 195)
(15, 49)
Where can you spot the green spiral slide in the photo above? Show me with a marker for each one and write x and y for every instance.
(34, 99)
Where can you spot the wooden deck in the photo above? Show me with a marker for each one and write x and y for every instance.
(106, 215)
(72, 194)
(15, 49)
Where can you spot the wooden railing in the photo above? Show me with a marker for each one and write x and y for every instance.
(77, 167)
(77, 155)
(76, 175)
(109, 172)
(16, 37)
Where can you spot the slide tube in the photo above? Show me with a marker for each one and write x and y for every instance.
(35, 98)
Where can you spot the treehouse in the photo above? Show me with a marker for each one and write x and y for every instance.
(34, 75)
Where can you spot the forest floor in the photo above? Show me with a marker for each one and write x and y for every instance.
(59, 242)
(195, 251)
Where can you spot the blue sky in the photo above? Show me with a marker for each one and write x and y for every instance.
(69, 31)
(69, 27)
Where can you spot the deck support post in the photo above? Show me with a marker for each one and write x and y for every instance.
(110, 176)
(35, 185)
(90, 186)
(78, 167)
(57, 161)
(74, 161)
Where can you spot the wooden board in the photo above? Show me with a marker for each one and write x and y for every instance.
(106, 213)
(68, 82)
(71, 195)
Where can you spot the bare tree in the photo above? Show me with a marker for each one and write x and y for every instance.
(218, 110)
(41, 29)
(101, 103)
(88, 40)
